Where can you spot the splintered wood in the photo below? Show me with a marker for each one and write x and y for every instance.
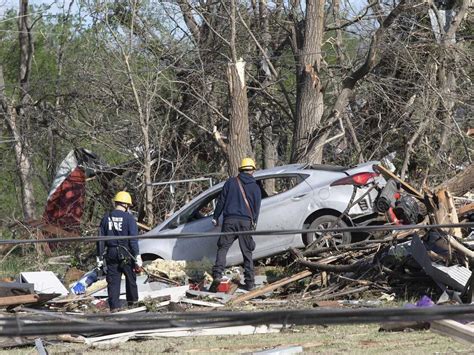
(445, 212)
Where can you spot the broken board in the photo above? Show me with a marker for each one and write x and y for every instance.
(45, 282)
(185, 332)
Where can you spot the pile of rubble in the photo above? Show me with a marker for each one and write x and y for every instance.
(393, 265)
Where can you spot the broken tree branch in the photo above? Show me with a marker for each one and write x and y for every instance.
(324, 267)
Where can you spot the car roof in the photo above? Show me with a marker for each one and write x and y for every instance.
(284, 169)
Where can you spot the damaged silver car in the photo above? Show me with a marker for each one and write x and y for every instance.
(294, 197)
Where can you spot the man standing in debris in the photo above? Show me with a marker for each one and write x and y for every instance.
(121, 256)
(239, 202)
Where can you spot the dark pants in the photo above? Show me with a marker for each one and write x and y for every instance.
(246, 243)
(114, 276)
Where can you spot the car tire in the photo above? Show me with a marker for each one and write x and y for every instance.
(324, 222)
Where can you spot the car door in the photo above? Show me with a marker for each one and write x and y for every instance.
(191, 220)
(283, 210)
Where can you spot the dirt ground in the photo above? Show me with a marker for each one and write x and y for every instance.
(354, 339)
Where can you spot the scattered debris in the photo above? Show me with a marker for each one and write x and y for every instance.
(184, 332)
(367, 274)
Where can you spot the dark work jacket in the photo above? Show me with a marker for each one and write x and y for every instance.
(118, 223)
(231, 203)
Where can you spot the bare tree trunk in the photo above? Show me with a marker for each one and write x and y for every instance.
(22, 157)
(26, 49)
(143, 114)
(318, 139)
(239, 132)
(13, 117)
(446, 76)
(269, 141)
(144, 121)
(309, 95)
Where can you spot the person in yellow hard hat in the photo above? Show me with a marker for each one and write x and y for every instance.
(239, 203)
(121, 256)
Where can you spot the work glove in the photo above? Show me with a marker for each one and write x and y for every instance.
(215, 222)
(138, 261)
(100, 262)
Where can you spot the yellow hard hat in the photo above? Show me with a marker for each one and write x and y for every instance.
(247, 164)
(123, 197)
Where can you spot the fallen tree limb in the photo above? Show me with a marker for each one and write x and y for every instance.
(460, 183)
(468, 253)
(325, 267)
(332, 268)
(273, 286)
(364, 245)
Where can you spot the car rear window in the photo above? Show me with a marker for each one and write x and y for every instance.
(273, 186)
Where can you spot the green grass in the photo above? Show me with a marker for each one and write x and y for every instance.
(354, 339)
(13, 264)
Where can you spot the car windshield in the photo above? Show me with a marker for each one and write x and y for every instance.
(200, 209)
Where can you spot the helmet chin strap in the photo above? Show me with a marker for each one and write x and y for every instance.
(122, 205)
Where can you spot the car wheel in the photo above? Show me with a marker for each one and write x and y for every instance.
(320, 240)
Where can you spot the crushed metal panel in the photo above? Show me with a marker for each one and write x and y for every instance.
(45, 282)
(454, 276)
(459, 274)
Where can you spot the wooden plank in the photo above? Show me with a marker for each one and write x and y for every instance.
(96, 287)
(466, 209)
(18, 300)
(201, 303)
(273, 286)
(406, 186)
(458, 331)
